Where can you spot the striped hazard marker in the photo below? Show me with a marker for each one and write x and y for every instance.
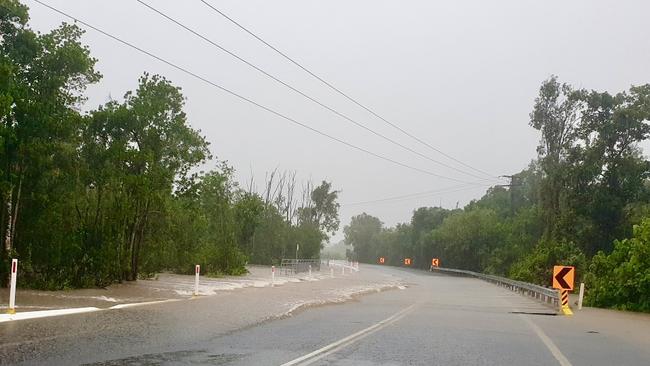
(564, 302)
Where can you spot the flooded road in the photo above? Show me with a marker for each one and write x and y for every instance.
(164, 286)
(233, 304)
(424, 319)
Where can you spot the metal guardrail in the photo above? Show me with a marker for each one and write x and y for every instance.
(293, 266)
(546, 295)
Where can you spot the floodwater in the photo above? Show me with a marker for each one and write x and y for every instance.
(163, 287)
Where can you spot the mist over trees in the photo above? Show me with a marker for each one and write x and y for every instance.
(115, 193)
(584, 201)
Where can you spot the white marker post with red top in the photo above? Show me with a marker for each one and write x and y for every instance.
(197, 271)
(12, 291)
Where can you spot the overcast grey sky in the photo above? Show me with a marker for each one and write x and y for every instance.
(461, 75)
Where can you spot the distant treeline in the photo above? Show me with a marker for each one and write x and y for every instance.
(91, 198)
(585, 201)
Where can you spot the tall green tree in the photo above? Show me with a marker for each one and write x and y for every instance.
(555, 114)
(147, 145)
(42, 77)
(363, 234)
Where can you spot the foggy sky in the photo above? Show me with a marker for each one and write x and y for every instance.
(461, 75)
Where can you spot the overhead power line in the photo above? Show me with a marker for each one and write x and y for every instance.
(339, 91)
(298, 91)
(452, 189)
(243, 98)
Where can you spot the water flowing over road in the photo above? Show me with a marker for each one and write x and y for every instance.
(404, 317)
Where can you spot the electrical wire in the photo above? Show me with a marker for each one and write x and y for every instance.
(345, 95)
(246, 99)
(294, 89)
(452, 189)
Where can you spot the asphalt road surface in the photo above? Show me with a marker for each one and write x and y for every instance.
(435, 320)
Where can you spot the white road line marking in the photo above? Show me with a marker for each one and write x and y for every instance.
(58, 312)
(561, 359)
(45, 313)
(336, 346)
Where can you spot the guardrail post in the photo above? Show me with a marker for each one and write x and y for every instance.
(582, 294)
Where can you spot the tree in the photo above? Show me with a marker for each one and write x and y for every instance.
(555, 115)
(362, 234)
(322, 209)
(466, 239)
(147, 144)
(38, 118)
(606, 170)
(423, 221)
(621, 279)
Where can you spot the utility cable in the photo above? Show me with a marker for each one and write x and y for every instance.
(294, 89)
(241, 97)
(340, 92)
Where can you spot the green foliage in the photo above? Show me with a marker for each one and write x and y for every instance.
(621, 279)
(112, 194)
(583, 194)
(466, 238)
(322, 210)
(537, 267)
(363, 235)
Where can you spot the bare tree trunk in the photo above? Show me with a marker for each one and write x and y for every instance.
(8, 246)
(132, 245)
(140, 229)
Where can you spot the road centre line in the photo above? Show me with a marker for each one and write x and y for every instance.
(342, 343)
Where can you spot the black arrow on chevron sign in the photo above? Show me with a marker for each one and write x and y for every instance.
(559, 277)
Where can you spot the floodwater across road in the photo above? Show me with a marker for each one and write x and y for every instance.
(429, 320)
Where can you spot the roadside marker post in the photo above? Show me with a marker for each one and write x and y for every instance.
(272, 276)
(12, 291)
(581, 296)
(332, 272)
(343, 269)
(563, 277)
(564, 302)
(197, 271)
(310, 271)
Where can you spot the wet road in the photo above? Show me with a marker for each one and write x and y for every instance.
(435, 320)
